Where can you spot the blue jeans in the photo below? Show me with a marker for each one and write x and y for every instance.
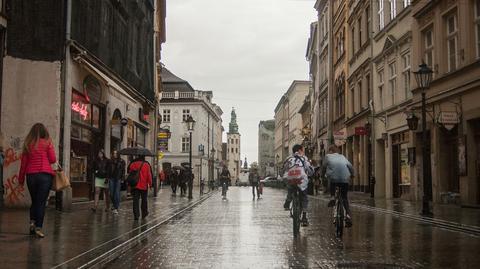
(114, 188)
(39, 186)
(303, 197)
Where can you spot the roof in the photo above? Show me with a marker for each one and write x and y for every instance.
(173, 83)
(268, 124)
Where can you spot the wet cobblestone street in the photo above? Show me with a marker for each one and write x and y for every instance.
(242, 233)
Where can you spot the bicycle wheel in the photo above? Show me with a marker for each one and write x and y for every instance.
(296, 214)
(339, 221)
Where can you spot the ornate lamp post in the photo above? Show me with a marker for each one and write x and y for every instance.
(190, 126)
(423, 77)
(277, 159)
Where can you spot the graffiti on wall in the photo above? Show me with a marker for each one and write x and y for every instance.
(15, 194)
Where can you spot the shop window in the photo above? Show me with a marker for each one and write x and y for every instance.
(141, 137)
(130, 135)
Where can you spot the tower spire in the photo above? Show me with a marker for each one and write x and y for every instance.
(233, 126)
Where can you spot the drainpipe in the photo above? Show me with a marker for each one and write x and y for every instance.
(331, 73)
(371, 137)
(63, 199)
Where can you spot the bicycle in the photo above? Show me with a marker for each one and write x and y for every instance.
(224, 189)
(296, 207)
(339, 213)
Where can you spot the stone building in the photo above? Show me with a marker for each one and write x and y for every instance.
(179, 100)
(391, 43)
(85, 70)
(266, 148)
(359, 92)
(233, 152)
(446, 36)
(288, 120)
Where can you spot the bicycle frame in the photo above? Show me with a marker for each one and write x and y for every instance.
(339, 213)
(296, 210)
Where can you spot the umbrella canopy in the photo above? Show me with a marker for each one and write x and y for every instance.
(178, 168)
(136, 151)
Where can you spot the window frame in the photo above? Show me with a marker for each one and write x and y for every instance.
(381, 84)
(185, 144)
(393, 9)
(406, 61)
(429, 49)
(381, 15)
(476, 15)
(166, 115)
(392, 80)
(452, 36)
(185, 114)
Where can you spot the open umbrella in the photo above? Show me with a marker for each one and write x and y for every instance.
(136, 151)
(176, 167)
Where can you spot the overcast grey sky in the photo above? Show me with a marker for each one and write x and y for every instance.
(246, 51)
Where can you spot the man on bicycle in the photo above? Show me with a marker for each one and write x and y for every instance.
(338, 171)
(224, 180)
(298, 159)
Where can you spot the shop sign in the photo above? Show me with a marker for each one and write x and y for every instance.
(360, 131)
(340, 136)
(81, 109)
(448, 119)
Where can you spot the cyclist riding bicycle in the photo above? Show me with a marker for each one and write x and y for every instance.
(298, 159)
(224, 180)
(338, 171)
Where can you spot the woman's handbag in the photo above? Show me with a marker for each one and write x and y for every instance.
(134, 176)
(60, 180)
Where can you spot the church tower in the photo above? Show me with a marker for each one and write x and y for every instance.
(233, 147)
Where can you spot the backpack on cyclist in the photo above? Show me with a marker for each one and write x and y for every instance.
(294, 173)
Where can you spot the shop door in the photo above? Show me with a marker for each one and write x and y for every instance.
(396, 171)
(451, 146)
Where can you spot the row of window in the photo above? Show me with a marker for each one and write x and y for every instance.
(392, 11)
(166, 115)
(234, 141)
(360, 30)
(360, 94)
(390, 95)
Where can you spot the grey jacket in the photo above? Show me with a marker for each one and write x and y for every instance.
(337, 168)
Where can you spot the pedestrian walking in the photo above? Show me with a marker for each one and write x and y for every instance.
(162, 177)
(141, 189)
(101, 171)
(202, 186)
(184, 178)
(254, 179)
(117, 175)
(37, 157)
(173, 181)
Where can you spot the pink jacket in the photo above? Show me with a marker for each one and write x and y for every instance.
(38, 160)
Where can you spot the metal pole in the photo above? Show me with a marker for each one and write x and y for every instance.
(190, 180)
(426, 178)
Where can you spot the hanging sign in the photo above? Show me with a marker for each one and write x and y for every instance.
(340, 136)
(448, 119)
(360, 131)
(80, 108)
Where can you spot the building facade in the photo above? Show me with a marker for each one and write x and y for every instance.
(233, 160)
(179, 101)
(445, 35)
(391, 43)
(266, 148)
(85, 64)
(288, 120)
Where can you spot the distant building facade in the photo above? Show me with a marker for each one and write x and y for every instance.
(233, 160)
(266, 148)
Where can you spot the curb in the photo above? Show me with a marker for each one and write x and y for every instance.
(448, 225)
(125, 241)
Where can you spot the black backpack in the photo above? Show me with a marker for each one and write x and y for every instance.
(134, 176)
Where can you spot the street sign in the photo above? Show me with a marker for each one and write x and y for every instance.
(360, 131)
(448, 119)
(160, 155)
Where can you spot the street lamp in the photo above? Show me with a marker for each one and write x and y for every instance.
(423, 77)
(190, 125)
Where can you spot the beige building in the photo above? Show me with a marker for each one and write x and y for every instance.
(391, 87)
(233, 160)
(288, 120)
(357, 109)
(266, 148)
(446, 35)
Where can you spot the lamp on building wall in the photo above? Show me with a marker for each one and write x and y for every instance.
(412, 122)
(190, 122)
(423, 77)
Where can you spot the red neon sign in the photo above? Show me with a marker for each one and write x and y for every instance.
(81, 109)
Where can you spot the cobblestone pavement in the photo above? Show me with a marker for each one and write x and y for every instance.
(77, 237)
(241, 233)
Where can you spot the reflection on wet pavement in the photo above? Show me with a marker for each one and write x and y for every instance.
(241, 233)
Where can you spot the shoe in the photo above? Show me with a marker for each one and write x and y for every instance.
(286, 206)
(331, 203)
(304, 219)
(94, 209)
(39, 233)
(32, 228)
(115, 211)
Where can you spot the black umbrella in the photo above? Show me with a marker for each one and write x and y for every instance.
(178, 167)
(136, 151)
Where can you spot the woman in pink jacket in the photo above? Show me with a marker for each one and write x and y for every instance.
(37, 157)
